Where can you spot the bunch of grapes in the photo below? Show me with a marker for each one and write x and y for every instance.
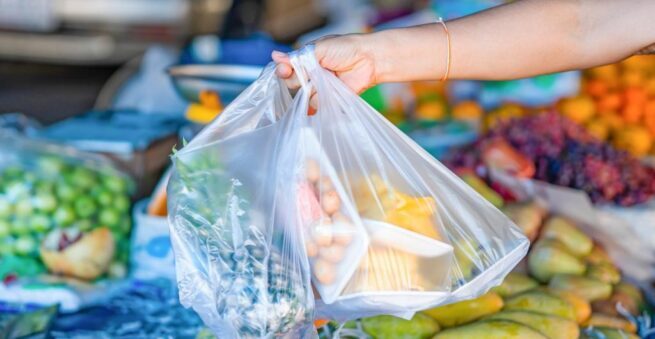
(565, 154)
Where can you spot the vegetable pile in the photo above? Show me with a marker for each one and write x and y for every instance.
(569, 289)
(69, 215)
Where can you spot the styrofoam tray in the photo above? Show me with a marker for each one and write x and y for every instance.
(358, 246)
(401, 239)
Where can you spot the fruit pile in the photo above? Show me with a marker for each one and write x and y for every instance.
(69, 216)
(563, 153)
(423, 105)
(571, 289)
(617, 104)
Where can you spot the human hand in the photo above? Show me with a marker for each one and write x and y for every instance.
(347, 56)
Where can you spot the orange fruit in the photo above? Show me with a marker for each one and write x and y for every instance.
(579, 109)
(638, 63)
(607, 72)
(613, 120)
(635, 96)
(649, 86)
(467, 110)
(649, 117)
(634, 139)
(596, 88)
(431, 110)
(599, 128)
(320, 323)
(632, 113)
(632, 77)
(610, 102)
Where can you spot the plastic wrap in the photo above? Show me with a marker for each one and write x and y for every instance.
(341, 201)
(61, 210)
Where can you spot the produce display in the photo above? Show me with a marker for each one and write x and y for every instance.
(571, 289)
(617, 104)
(563, 153)
(62, 212)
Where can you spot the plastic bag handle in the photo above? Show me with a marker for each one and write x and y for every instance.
(303, 62)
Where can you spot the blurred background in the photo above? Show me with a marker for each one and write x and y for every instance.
(63, 52)
(94, 95)
(60, 58)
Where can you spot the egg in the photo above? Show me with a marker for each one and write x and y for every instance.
(342, 234)
(322, 232)
(339, 217)
(333, 254)
(312, 170)
(311, 248)
(330, 202)
(324, 272)
(324, 184)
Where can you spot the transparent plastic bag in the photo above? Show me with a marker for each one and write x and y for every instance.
(342, 198)
(61, 211)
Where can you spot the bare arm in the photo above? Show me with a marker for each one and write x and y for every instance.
(520, 39)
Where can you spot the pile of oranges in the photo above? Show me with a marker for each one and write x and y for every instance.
(617, 104)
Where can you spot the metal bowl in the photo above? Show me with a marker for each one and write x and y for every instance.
(225, 80)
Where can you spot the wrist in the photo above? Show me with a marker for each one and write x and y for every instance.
(375, 47)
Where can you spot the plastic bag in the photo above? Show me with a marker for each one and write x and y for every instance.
(340, 198)
(61, 211)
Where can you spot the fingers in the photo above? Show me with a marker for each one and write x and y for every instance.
(285, 72)
(280, 57)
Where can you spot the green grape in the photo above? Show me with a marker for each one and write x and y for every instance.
(25, 245)
(6, 208)
(66, 191)
(122, 203)
(85, 207)
(110, 218)
(17, 189)
(23, 207)
(44, 187)
(20, 226)
(45, 202)
(40, 223)
(83, 178)
(115, 183)
(5, 228)
(84, 225)
(104, 197)
(64, 216)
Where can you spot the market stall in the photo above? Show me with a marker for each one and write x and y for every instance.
(203, 202)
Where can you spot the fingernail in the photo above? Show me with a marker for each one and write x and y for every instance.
(311, 110)
(277, 54)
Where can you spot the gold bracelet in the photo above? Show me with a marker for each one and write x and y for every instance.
(448, 57)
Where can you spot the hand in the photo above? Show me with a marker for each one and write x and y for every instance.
(347, 56)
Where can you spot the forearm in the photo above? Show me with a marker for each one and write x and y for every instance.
(521, 39)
